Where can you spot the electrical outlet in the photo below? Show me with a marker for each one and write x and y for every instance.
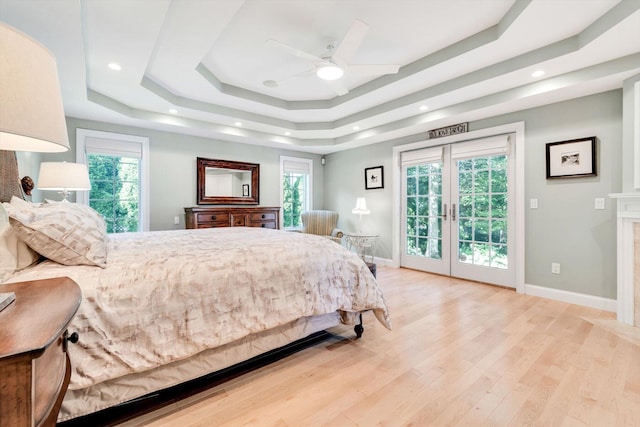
(555, 268)
(176, 220)
(533, 203)
(599, 203)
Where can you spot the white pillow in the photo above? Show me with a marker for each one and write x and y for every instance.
(14, 253)
(67, 233)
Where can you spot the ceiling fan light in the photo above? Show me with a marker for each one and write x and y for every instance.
(329, 72)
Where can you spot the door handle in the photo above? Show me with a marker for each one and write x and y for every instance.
(444, 212)
(453, 212)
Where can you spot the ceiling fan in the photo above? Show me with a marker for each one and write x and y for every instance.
(332, 65)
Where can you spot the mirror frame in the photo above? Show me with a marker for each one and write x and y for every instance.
(203, 199)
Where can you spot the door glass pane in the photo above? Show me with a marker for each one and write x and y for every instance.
(482, 211)
(424, 210)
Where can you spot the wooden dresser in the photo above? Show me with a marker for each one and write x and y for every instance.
(34, 365)
(205, 217)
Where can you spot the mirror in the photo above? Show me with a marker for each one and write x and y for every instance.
(224, 182)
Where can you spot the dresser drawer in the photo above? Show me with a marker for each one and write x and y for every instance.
(264, 224)
(238, 220)
(207, 220)
(265, 216)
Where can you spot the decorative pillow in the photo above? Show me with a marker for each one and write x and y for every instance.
(14, 253)
(67, 233)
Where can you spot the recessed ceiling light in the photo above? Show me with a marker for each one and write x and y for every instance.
(173, 111)
(538, 73)
(329, 71)
(114, 66)
(356, 128)
(423, 108)
(238, 123)
(287, 133)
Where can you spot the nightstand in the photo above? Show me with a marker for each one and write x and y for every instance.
(34, 365)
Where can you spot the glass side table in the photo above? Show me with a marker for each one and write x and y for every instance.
(364, 244)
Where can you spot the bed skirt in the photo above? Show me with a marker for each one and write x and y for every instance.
(119, 390)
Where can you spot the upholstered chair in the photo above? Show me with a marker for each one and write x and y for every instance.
(322, 223)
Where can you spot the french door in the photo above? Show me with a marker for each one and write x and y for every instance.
(458, 210)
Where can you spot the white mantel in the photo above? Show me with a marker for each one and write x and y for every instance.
(628, 214)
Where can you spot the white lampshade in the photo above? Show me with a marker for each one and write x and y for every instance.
(361, 207)
(31, 111)
(63, 176)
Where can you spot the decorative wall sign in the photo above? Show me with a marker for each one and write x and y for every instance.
(571, 159)
(449, 130)
(373, 178)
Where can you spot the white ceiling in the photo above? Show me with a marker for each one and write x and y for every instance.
(208, 59)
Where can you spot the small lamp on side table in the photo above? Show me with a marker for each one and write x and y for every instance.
(63, 177)
(360, 209)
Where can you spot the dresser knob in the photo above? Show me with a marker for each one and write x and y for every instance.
(263, 225)
(263, 216)
(213, 217)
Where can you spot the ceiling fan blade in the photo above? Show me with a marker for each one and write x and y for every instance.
(337, 86)
(295, 51)
(276, 83)
(351, 41)
(377, 69)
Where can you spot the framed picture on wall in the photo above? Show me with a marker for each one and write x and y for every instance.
(373, 178)
(571, 159)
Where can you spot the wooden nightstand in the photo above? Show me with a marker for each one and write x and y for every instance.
(34, 365)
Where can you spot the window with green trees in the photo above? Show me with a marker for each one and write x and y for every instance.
(293, 185)
(296, 189)
(115, 191)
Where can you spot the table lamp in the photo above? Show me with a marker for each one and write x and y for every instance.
(360, 209)
(63, 177)
(31, 111)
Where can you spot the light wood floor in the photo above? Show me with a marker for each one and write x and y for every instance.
(460, 354)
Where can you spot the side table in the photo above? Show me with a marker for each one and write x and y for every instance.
(34, 364)
(364, 244)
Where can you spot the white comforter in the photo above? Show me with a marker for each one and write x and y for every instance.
(167, 295)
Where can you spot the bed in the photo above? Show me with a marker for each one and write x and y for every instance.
(161, 308)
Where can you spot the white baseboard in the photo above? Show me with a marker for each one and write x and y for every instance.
(382, 261)
(600, 303)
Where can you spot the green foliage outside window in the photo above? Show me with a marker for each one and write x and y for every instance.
(483, 211)
(424, 211)
(115, 191)
(293, 199)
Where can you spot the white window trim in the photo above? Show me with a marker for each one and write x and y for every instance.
(309, 196)
(81, 157)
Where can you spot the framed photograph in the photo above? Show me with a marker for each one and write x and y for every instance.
(245, 190)
(572, 159)
(373, 178)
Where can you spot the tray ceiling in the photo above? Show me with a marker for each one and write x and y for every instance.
(199, 67)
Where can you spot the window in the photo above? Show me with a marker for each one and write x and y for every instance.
(118, 170)
(296, 189)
